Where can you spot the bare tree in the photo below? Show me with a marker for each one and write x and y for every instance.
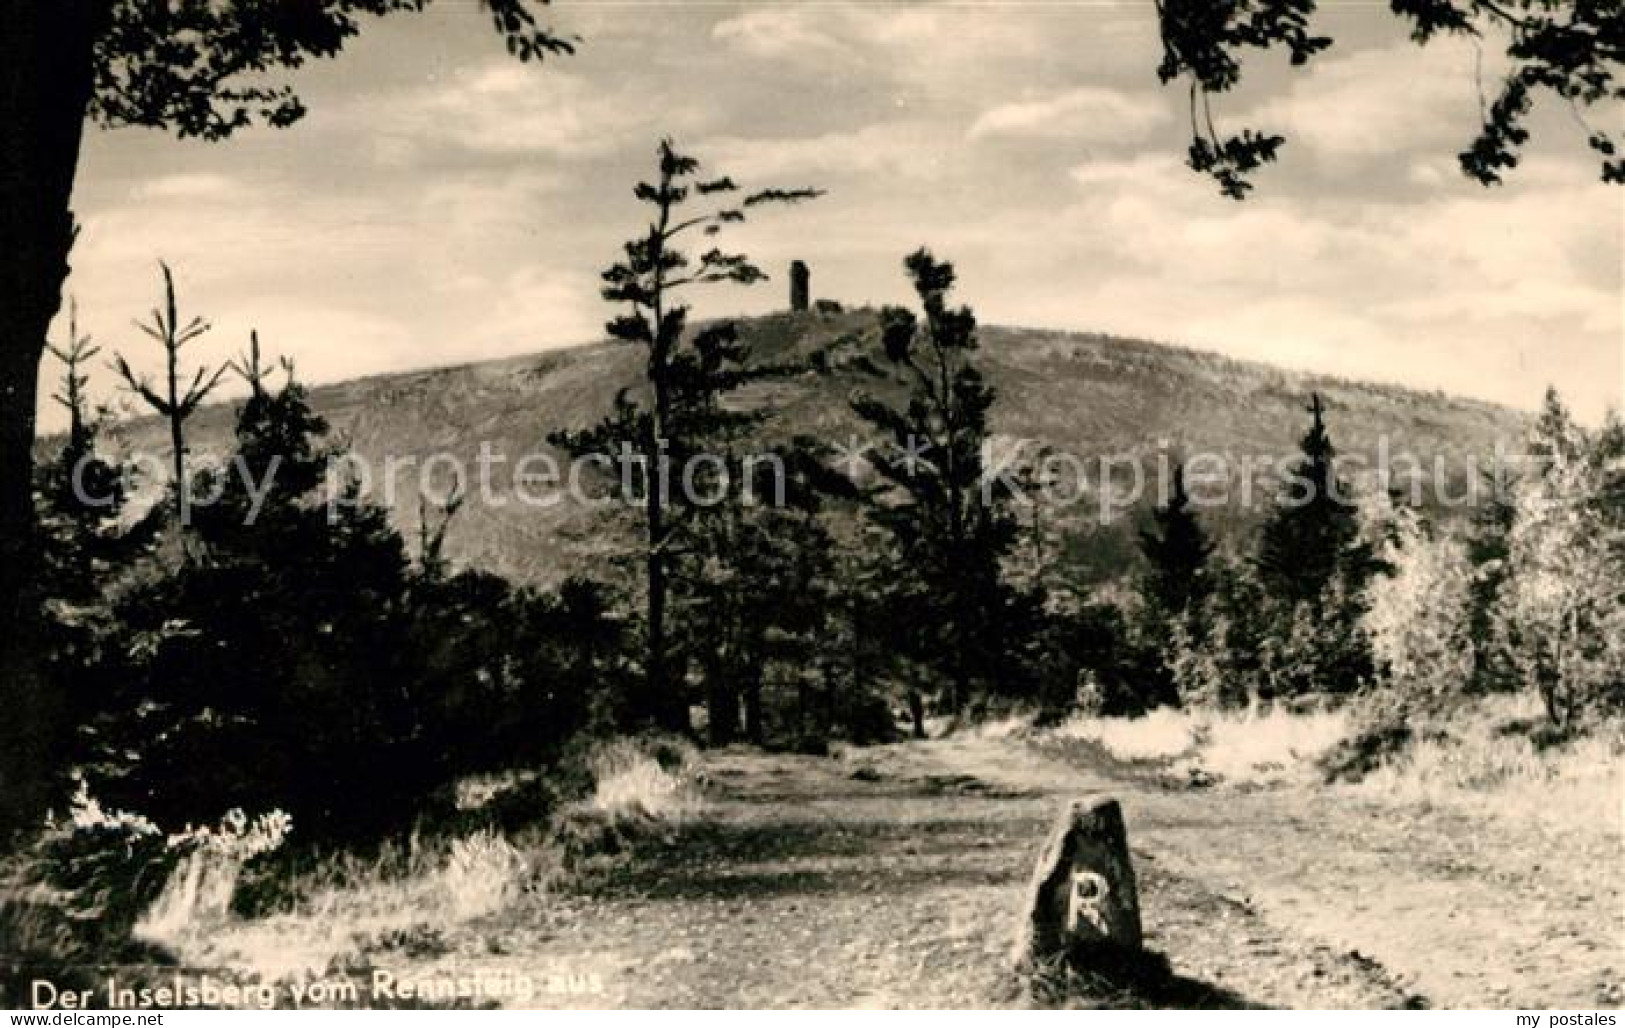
(75, 353)
(176, 404)
(250, 370)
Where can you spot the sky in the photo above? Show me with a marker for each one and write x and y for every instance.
(444, 203)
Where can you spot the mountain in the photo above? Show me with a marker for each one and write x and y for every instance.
(1083, 394)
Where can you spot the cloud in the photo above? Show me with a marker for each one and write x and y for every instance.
(538, 306)
(1079, 116)
(964, 51)
(780, 32)
(326, 342)
(904, 149)
(307, 239)
(201, 186)
(1372, 105)
(1454, 292)
(504, 109)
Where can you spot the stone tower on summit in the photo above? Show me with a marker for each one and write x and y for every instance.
(800, 286)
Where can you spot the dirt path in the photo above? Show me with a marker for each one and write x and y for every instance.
(1460, 911)
(813, 883)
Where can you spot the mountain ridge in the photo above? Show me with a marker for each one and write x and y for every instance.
(1087, 394)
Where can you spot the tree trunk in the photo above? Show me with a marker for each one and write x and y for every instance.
(830, 675)
(177, 439)
(755, 729)
(722, 706)
(664, 702)
(45, 85)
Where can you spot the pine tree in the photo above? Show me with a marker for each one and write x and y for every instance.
(87, 553)
(201, 70)
(953, 529)
(281, 656)
(1177, 550)
(282, 453)
(687, 375)
(74, 354)
(583, 620)
(757, 592)
(1313, 566)
(753, 607)
(1313, 536)
(433, 564)
(1242, 632)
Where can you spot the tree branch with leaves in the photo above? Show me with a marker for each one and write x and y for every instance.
(1574, 52)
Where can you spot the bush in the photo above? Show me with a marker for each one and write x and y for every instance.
(116, 876)
(629, 788)
(108, 866)
(1418, 616)
(1560, 614)
(1158, 736)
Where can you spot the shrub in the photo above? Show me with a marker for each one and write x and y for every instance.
(1559, 614)
(1258, 746)
(1418, 616)
(122, 874)
(629, 788)
(108, 866)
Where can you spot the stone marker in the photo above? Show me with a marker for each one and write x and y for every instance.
(1083, 893)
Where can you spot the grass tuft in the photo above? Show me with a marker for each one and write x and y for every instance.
(1492, 759)
(1255, 746)
(649, 779)
(483, 874)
